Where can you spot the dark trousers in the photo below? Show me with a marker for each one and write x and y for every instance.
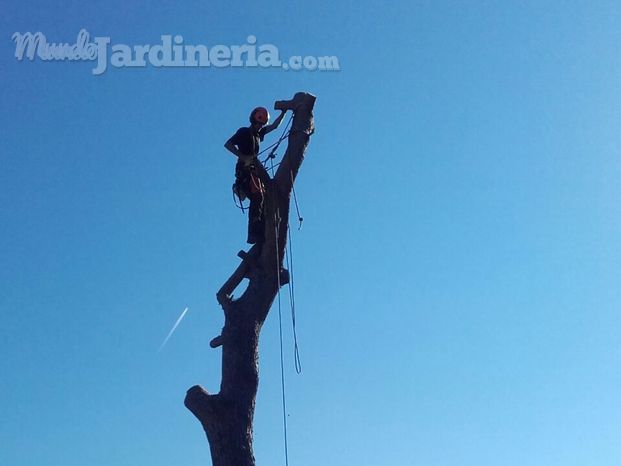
(250, 183)
(256, 222)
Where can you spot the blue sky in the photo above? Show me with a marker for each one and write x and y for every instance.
(457, 275)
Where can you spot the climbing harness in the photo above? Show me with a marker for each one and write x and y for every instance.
(238, 192)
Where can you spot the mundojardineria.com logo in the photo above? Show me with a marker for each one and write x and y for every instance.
(171, 52)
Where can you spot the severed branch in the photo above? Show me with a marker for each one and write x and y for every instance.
(225, 293)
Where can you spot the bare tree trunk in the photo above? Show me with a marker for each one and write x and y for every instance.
(227, 417)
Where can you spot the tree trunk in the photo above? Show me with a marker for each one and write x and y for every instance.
(227, 417)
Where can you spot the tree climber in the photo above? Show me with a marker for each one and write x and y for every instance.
(249, 172)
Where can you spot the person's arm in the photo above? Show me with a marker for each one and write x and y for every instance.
(276, 124)
(231, 146)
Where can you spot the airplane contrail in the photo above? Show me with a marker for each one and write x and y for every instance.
(173, 329)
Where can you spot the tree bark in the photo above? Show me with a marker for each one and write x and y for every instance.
(227, 417)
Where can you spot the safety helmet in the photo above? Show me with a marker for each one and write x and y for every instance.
(260, 114)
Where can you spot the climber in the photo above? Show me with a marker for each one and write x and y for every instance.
(249, 172)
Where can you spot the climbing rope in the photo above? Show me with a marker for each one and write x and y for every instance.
(289, 260)
(240, 206)
(272, 155)
(296, 349)
(297, 207)
(282, 362)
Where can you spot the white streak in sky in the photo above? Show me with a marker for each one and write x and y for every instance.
(173, 329)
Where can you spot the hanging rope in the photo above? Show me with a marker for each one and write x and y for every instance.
(296, 349)
(274, 147)
(282, 362)
(289, 260)
(295, 199)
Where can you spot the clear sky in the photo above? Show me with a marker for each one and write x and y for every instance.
(457, 276)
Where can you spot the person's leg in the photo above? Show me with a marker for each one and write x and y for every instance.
(256, 228)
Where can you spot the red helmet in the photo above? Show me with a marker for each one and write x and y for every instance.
(260, 114)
